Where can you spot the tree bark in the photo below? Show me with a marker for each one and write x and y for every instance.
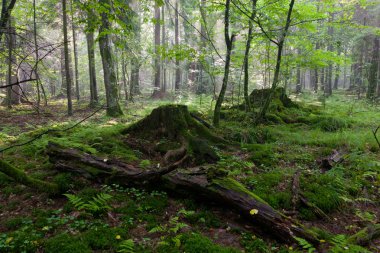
(67, 63)
(229, 43)
(77, 93)
(157, 43)
(177, 66)
(373, 73)
(91, 68)
(110, 80)
(246, 56)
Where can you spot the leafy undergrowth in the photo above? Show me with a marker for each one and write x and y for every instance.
(110, 218)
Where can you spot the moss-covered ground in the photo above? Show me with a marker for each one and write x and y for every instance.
(134, 220)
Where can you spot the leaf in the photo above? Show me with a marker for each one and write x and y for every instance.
(253, 212)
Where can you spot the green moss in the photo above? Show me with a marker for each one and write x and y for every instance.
(324, 191)
(20, 177)
(145, 164)
(204, 217)
(267, 186)
(234, 185)
(331, 124)
(197, 243)
(261, 154)
(65, 243)
(64, 181)
(103, 238)
(271, 117)
(252, 244)
(14, 223)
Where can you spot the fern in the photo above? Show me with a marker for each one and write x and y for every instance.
(98, 205)
(76, 201)
(126, 246)
(305, 245)
(341, 244)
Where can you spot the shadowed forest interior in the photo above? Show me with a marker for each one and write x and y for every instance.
(190, 126)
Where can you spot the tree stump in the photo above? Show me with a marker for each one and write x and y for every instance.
(184, 135)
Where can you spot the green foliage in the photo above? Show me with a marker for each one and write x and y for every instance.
(264, 184)
(332, 124)
(25, 239)
(145, 164)
(66, 243)
(305, 245)
(323, 190)
(98, 205)
(126, 246)
(202, 216)
(341, 245)
(103, 238)
(195, 243)
(261, 154)
(252, 244)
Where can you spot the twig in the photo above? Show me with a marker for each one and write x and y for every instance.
(375, 135)
(52, 131)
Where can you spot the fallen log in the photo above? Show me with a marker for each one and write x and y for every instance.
(21, 177)
(193, 181)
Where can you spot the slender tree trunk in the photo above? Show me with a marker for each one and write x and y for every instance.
(157, 42)
(110, 80)
(278, 63)
(10, 56)
(164, 45)
(373, 73)
(176, 35)
(229, 43)
(36, 54)
(246, 56)
(124, 74)
(77, 93)
(91, 68)
(67, 62)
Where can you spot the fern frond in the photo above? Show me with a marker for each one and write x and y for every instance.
(126, 246)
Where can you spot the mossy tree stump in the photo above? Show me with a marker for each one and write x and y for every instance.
(175, 124)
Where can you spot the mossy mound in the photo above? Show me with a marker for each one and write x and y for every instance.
(279, 98)
(171, 130)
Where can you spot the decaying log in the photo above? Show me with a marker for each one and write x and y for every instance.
(194, 182)
(103, 169)
(22, 178)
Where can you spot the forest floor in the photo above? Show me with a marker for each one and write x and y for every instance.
(292, 140)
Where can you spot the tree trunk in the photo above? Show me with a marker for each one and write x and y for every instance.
(157, 43)
(67, 62)
(13, 92)
(229, 43)
(91, 68)
(77, 93)
(110, 80)
(373, 73)
(164, 44)
(176, 31)
(246, 56)
(36, 54)
(134, 88)
(124, 75)
(278, 63)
